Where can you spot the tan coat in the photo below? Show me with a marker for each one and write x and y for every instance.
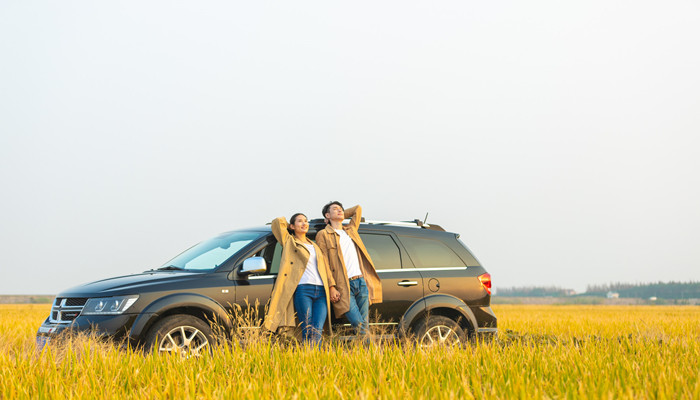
(295, 256)
(328, 240)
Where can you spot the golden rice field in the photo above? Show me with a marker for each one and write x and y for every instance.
(571, 352)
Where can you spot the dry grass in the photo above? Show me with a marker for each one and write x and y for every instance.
(542, 352)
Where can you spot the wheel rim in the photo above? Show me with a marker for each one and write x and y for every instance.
(440, 335)
(185, 341)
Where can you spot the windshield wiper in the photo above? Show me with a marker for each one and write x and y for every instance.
(170, 268)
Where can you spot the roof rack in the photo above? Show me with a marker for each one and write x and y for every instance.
(416, 223)
(410, 224)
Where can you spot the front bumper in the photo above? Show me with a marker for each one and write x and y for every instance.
(107, 326)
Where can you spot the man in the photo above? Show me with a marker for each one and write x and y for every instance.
(357, 283)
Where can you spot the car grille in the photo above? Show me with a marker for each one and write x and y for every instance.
(66, 309)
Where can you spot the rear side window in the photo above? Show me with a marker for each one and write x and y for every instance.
(429, 253)
(383, 250)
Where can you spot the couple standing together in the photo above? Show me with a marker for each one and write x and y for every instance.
(336, 269)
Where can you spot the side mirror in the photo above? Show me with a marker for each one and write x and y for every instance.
(253, 265)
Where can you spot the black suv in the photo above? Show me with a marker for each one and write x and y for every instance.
(433, 288)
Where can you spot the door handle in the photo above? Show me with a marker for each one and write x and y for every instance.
(407, 283)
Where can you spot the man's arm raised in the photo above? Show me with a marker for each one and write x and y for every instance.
(355, 215)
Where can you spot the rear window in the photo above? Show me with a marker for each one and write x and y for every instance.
(429, 253)
(383, 251)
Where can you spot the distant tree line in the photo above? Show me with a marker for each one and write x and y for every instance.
(661, 290)
(534, 291)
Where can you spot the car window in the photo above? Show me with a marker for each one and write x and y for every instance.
(429, 253)
(272, 254)
(276, 256)
(383, 250)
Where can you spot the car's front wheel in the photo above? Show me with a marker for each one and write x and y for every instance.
(437, 330)
(184, 335)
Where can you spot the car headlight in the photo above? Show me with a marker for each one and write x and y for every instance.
(109, 305)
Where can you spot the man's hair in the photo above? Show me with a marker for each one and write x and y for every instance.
(327, 207)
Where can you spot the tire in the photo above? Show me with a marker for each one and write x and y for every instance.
(438, 330)
(181, 334)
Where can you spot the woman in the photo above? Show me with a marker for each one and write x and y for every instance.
(302, 283)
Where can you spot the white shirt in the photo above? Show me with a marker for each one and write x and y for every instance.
(311, 276)
(347, 246)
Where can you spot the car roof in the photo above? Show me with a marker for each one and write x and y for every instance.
(401, 228)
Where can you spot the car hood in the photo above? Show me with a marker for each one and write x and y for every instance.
(130, 284)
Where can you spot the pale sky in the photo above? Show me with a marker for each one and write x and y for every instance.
(560, 139)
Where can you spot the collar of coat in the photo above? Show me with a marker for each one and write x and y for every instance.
(303, 244)
(330, 229)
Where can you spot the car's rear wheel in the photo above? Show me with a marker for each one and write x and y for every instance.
(184, 335)
(437, 330)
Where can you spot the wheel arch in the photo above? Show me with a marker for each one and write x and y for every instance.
(192, 304)
(439, 304)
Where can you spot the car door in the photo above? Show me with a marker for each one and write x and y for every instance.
(402, 284)
(442, 269)
(253, 292)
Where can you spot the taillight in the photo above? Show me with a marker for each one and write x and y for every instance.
(485, 280)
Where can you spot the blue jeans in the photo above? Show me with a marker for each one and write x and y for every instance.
(359, 306)
(311, 308)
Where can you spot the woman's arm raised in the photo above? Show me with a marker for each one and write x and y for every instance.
(279, 229)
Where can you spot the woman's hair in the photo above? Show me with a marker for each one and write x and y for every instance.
(294, 218)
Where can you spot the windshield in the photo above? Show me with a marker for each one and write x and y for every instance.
(211, 253)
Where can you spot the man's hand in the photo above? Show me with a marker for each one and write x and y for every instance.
(335, 295)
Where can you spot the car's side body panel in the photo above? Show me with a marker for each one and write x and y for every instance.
(401, 288)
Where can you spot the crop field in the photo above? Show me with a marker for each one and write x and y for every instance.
(609, 352)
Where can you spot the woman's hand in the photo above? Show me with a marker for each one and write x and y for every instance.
(335, 295)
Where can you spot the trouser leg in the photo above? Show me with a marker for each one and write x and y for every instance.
(318, 315)
(359, 306)
(362, 300)
(353, 315)
(303, 301)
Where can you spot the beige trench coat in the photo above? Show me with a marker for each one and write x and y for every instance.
(295, 256)
(328, 240)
